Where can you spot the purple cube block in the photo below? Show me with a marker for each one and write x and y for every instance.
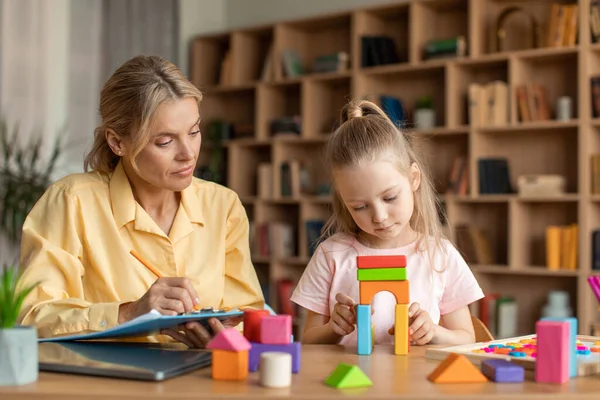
(258, 348)
(502, 371)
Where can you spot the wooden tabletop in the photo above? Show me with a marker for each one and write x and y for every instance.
(397, 377)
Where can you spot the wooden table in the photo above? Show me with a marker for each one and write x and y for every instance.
(393, 376)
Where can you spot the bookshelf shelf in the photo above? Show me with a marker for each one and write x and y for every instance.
(281, 118)
(523, 127)
(566, 198)
(530, 270)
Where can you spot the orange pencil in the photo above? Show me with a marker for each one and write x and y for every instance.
(151, 268)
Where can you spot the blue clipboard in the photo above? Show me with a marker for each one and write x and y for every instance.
(147, 324)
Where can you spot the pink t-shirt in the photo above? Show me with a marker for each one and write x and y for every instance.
(332, 270)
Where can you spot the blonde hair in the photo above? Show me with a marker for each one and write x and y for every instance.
(128, 103)
(366, 134)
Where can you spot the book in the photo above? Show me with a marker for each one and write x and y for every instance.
(150, 323)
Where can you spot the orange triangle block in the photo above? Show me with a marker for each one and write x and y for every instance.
(456, 368)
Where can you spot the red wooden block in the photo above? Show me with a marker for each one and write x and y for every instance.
(252, 324)
(381, 261)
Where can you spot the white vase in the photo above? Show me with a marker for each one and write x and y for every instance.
(424, 118)
(18, 356)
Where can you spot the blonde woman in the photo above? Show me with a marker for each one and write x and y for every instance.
(383, 204)
(91, 236)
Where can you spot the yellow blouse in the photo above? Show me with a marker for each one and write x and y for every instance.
(77, 241)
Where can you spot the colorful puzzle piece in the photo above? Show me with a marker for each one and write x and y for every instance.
(346, 376)
(381, 274)
(456, 368)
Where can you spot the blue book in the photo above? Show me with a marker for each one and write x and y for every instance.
(148, 324)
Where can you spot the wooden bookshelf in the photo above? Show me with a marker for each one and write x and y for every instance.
(239, 94)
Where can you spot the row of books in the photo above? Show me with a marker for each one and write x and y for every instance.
(562, 25)
(561, 247)
(596, 250)
(499, 314)
(532, 102)
(595, 89)
(595, 175)
(595, 20)
(488, 103)
(459, 177)
(474, 245)
(278, 239)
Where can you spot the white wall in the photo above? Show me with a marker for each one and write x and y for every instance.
(241, 13)
(197, 17)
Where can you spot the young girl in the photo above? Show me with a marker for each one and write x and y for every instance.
(383, 204)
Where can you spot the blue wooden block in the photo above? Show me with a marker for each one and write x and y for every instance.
(363, 324)
(573, 339)
(499, 370)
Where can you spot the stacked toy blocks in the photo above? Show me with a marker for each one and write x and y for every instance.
(269, 333)
(229, 356)
(377, 274)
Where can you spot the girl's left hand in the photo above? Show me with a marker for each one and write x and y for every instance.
(421, 328)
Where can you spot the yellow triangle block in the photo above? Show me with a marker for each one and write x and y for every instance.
(456, 368)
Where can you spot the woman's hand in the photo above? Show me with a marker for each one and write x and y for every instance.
(195, 335)
(168, 296)
(421, 327)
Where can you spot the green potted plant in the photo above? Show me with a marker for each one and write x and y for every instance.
(424, 113)
(18, 344)
(24, 177)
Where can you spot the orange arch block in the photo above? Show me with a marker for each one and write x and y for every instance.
(368, 290)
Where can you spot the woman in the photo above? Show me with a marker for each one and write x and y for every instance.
(88, 237)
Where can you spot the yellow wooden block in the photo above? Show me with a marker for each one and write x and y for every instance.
(401, 330)
(373, 335)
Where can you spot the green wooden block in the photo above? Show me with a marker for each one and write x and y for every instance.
(382, 274)
(347, 376)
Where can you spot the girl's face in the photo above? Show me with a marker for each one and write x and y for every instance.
(380, 200)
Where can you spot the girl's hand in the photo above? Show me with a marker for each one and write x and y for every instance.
(343, 317)
(421, 328)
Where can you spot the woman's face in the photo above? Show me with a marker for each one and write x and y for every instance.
(169, 159)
